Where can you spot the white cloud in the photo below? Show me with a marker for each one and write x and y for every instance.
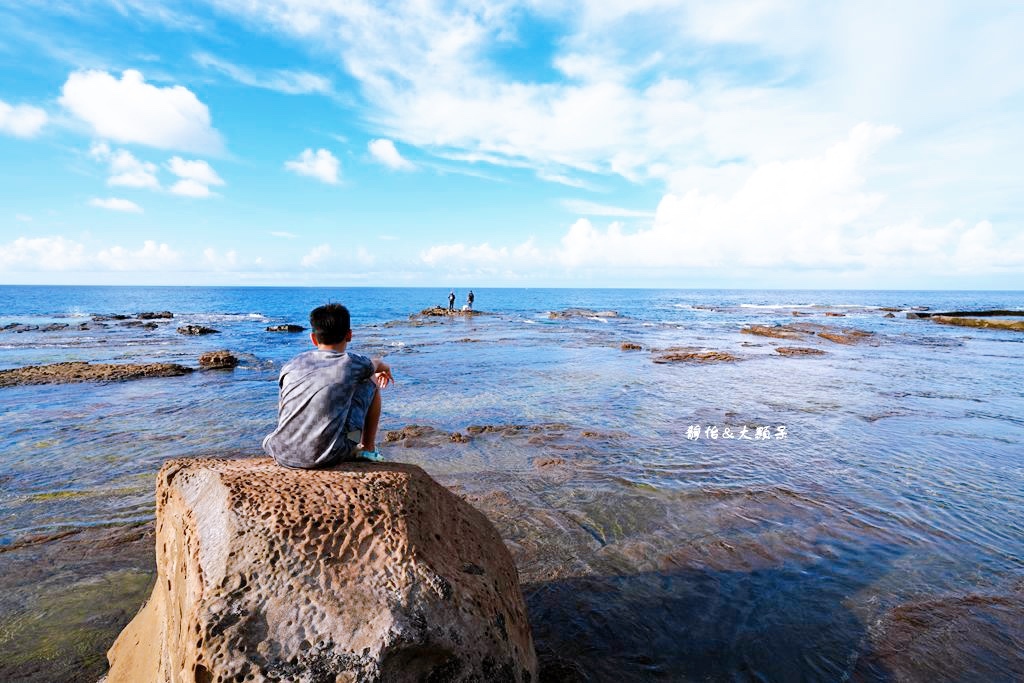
(116, 204)
(21, 120)
(41, 253)
(196, 177)
(279, 80)
(220, 261)
(130, 110)
(316, 256)
(484, 254)
(124, 168)
(151, 256)
(320, 164)
(384, 151)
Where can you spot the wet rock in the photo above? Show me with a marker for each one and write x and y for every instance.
(798, 351)
(889, 315)
(630, 346)
(1017, 325)
(846, 336)
(218, 360)
(800, 314)
(109, 317)
(369, 572)
(54, 327)
(155, 315)
(420, 436)
(285, 328)
(685, 356)
(72, 372)
(912, 315)
(833, 314)
(778, 331)
(19, 328)
(131, 323)
(442, 312)
(196, 330)
(890, 309)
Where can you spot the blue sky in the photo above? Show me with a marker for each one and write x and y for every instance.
(764, 143)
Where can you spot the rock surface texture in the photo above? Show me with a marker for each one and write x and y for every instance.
(218, 360)
(366, 572)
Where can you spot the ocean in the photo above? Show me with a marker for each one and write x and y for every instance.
(856, 514)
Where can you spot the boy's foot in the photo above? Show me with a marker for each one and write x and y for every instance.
(373, 455)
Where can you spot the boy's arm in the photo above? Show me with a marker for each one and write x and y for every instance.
(382, 372)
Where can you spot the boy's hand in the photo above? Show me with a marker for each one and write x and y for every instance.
(382, 374)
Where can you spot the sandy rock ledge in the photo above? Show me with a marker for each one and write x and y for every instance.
(367, 572)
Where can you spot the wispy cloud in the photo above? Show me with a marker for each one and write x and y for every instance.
(283, 81)
(586, 208)
(196, 177)
(116, 204)
(283, 234)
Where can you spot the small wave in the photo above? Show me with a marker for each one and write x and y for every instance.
(778, 305)
(599, 319)
(529, 322)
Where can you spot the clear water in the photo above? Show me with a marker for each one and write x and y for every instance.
(882, 538)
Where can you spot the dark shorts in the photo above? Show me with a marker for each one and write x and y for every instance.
(361, 400)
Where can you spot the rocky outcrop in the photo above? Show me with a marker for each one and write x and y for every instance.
(838, 335)
(77, 371)
(285, 328)
(1017, 325)
(196, 330)
(366, 572)
(630, 346)
(218, 360)
(155, 315)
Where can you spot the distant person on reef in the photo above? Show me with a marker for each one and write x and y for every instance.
(469, 300)
(451, 300)
(329, 403)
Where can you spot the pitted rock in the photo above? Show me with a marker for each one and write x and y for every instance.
(356, 573)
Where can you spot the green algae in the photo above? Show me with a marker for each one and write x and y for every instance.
(64, 632)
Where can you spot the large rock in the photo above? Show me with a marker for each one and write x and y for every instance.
(79, 371)
(366, 572)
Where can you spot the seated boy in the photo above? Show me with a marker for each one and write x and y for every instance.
(329, 404)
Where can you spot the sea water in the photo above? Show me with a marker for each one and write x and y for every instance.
(864, 521)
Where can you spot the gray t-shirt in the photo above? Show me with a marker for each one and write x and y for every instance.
(315, 408)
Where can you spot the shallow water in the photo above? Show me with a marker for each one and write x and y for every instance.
(881, 538)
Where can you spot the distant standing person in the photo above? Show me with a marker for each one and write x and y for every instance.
(451, 300)
(469, 300)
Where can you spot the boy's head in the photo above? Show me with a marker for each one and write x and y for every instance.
(331, 324)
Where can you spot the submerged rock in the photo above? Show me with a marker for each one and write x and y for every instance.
(218, 360)
(67, 373)
(686, 356)
(778, 331)
(366, 572)
(582, 313)
(630, 346)
(196, 330)
(285, 328)
(54, 327)
(839, 335)
(798, 351)
(19, 327)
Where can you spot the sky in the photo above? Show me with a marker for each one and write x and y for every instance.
(757, 144)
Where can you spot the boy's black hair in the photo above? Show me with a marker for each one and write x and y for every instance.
(331, 323)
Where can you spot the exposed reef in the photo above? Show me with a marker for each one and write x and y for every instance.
(79, 371)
